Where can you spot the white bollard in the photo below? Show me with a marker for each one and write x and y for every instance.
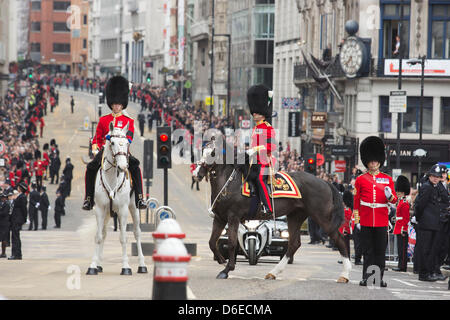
(167, 228)
(170, 277)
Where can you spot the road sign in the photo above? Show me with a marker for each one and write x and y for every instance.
(294, 124)
(397, 101)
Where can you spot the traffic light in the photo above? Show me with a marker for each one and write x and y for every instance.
(311, 163)
(164, 144)
(149, 78)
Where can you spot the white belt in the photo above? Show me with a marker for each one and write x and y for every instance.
(374, 205)
(399, 218)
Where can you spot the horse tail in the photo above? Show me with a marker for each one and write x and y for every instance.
(337, 213)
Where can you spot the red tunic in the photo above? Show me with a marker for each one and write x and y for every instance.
(370, 203)
(120, 121)
(263, 137)
(345, 227)
(402, 214)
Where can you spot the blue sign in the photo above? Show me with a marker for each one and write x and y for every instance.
(164, 215)
(152, 205)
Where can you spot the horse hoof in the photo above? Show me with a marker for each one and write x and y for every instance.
(92, 272)
(270, 276)
(142, 270)
(99, 269)
(126, 272)
(222, 275)
(342, 280)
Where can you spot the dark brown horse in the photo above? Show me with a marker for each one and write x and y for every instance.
(320, 200)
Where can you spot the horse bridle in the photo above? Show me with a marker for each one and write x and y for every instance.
(120, 153)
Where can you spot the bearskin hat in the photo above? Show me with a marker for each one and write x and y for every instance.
(402, 185)
(372, 149)
(45, 147)
(347, 197)
(258, 100)
(37, 154)
(117, 91)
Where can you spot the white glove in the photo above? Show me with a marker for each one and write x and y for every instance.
(251, 152)
(94, 152)
(358, 226)
(388, 192)
(413, 220)
(195, 172)
(49, 207)
(37, 205)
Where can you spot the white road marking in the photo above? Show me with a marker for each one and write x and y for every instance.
(404, 282)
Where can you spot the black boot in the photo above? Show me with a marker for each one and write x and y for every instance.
(137, 187)
(91, 173)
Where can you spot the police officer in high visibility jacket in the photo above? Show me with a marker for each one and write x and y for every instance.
(374, 190)
(117, 90)
(402, 188)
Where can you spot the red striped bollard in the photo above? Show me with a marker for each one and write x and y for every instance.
(170, 272)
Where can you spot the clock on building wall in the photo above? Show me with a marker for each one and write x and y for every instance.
(354, 55)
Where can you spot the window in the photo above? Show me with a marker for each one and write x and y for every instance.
(35, 47)
(445, 115)
(411, 119)
(61, 5)
(85, 19)
(439, 42)
(264, 25)
(35, 6)
(263, 52)
(36, 27)
(265, 2)
(391, 24)
(385, 115)
(60, 27)
(84, 43)
(263, 76)
(61, 48)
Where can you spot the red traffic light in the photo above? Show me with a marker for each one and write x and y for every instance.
(163, 137)
(310, 160)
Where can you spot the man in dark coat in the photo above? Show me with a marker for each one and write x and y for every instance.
(4, 222)
(55, 165)
(63, 189)
(44, 203)
(18, 218)
(35, 197)
(150, 121)
(68, 175)
(59, 209)
(141, 119)
(428, 214)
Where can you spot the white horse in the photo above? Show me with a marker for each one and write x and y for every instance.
(112, 194)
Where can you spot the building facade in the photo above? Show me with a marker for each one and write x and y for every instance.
(286, 99)
(79, 37)
(49, 35)
(364, 109)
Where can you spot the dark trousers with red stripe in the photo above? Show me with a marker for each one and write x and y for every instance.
(402, 250)
(263, 189)
(94, 165)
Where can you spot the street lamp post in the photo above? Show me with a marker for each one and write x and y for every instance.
(421, 61)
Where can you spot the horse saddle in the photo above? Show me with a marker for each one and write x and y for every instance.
(283, 186)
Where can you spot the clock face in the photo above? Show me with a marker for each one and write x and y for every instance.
(351, 56)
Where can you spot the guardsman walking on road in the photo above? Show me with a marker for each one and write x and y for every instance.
(18, 218)
(141, 119)
(117, 90)
(402, 188)
(374, 190)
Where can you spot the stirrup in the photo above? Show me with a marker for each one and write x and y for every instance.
(142, 204)
(87, 205)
